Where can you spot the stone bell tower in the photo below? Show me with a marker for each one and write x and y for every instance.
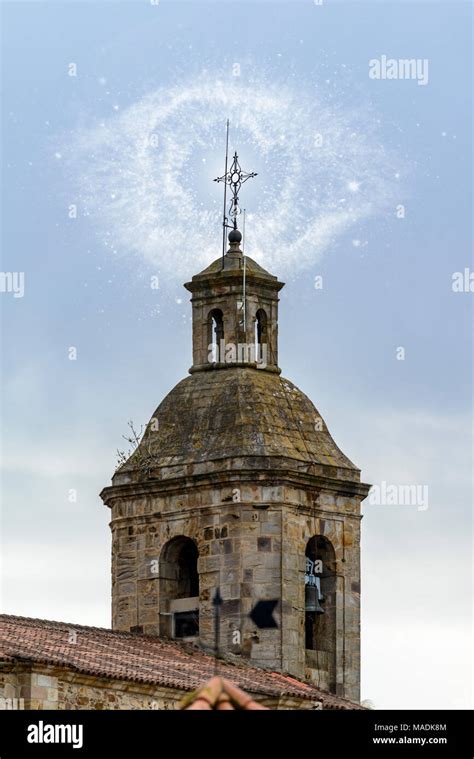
(238, 484)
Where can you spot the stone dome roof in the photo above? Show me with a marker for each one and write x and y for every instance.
(235, 418)
(234, 260)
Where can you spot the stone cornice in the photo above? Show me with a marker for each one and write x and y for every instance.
(230, 278)
(234, 365)
(230, 477)
(196, 511)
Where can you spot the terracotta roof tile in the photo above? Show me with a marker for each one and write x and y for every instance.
(219, 694)
(139, 658)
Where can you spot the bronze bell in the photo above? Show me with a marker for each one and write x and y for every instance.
(312, 600)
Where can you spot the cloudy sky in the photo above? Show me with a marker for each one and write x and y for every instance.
(114, 126)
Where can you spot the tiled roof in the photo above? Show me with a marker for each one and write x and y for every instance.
(139, 658)
(218, 694)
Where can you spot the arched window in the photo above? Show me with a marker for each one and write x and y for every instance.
(215, 334)
(260, 334)
(179, 589)
(320, 609)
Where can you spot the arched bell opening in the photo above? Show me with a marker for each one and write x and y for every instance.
(320, 610)
(179, 589)
(215, 335)
(261, 335)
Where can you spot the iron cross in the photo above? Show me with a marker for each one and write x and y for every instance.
(234, 178)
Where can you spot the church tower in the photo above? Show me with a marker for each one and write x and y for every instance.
(238, 485)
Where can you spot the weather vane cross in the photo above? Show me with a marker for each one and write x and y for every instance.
(233, 178)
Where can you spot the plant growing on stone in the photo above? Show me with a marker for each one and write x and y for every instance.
(139, 450)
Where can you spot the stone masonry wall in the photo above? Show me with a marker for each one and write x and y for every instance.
(53, 688)
(251, 542)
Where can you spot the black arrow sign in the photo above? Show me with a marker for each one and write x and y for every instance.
(262, 614)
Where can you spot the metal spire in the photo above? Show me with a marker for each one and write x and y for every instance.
(233, 178)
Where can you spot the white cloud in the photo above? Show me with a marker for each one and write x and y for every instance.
(145, 174)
